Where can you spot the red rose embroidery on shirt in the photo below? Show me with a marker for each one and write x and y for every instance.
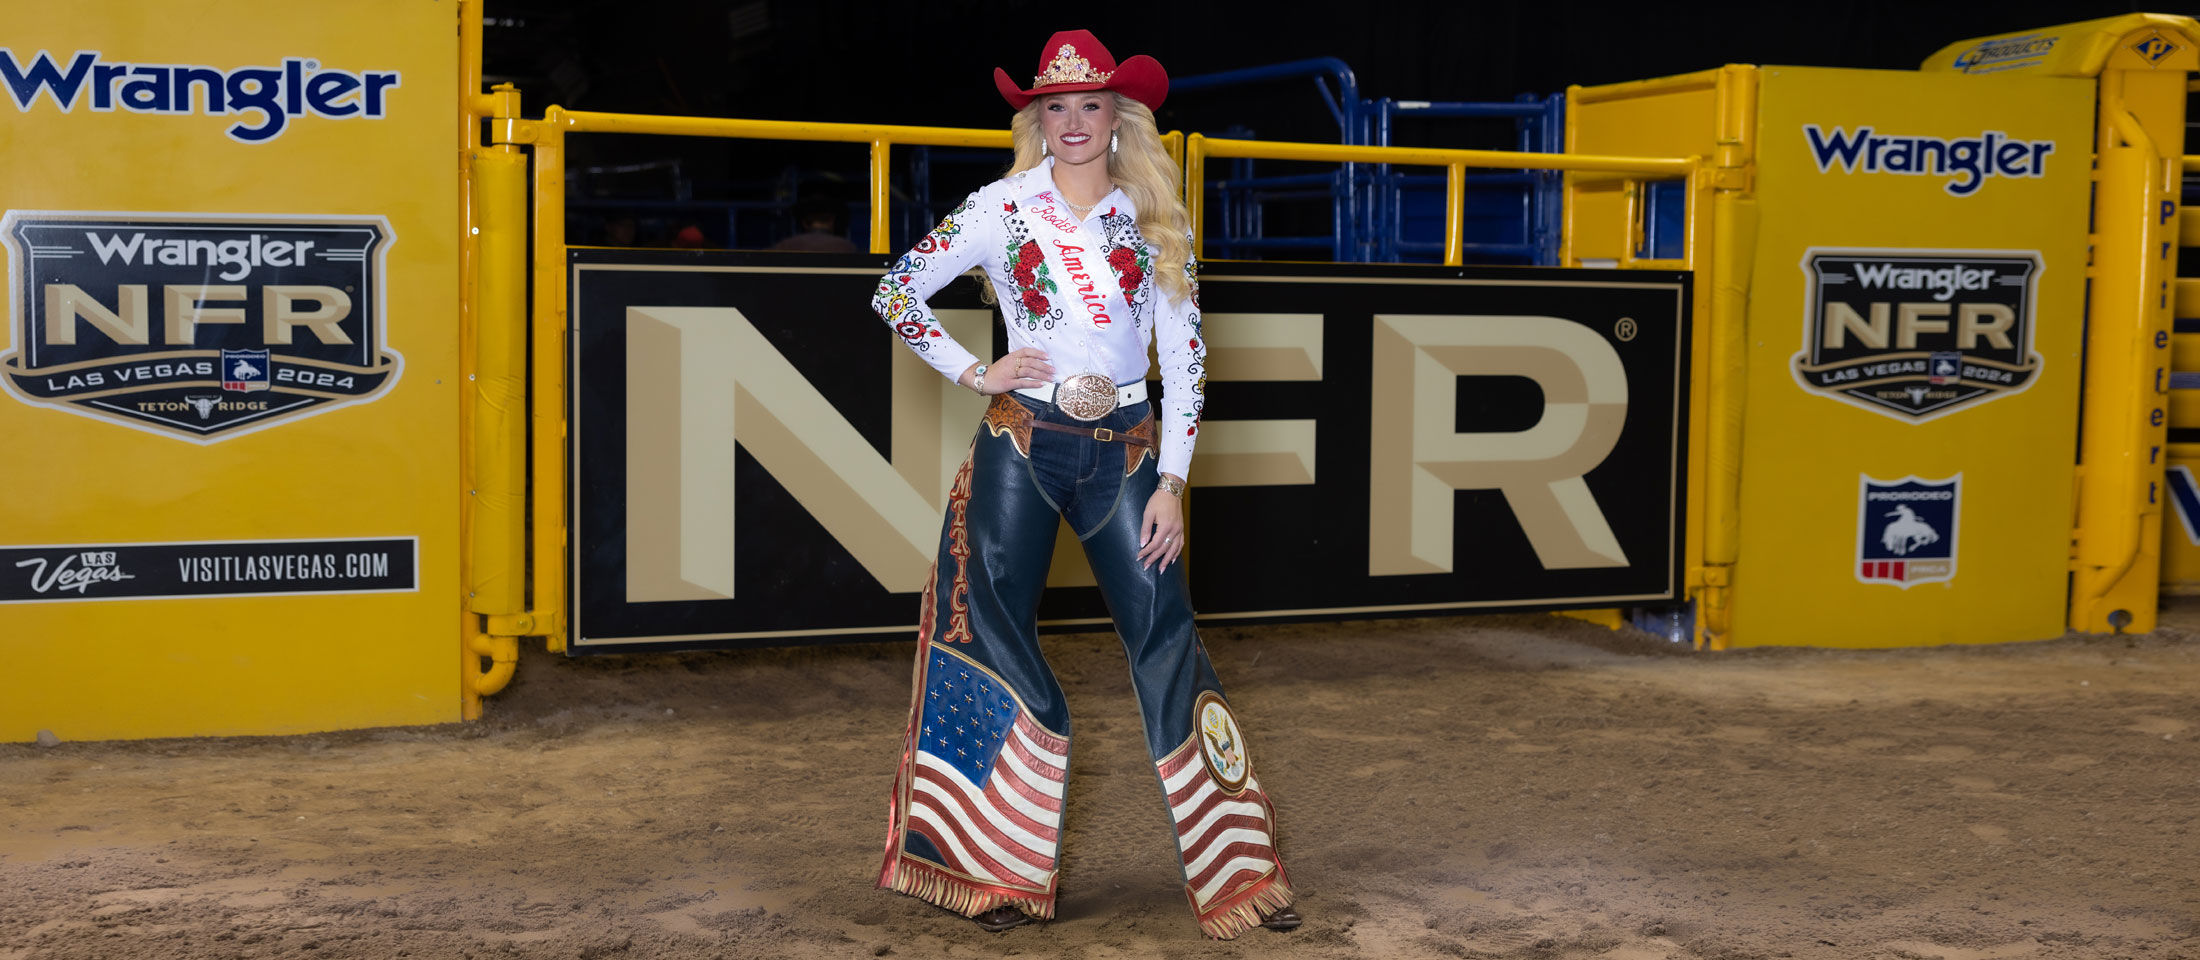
(1124, 261)
(1030, 272)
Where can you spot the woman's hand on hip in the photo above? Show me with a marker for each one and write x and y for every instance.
(1163, 531)
(1016, 370)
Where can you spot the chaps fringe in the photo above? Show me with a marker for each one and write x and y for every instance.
(1241, 911)
(954, 893)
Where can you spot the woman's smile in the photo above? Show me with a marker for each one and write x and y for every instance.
(1076, 126)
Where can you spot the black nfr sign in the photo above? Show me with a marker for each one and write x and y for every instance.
(1918, 334)
(1378, 439)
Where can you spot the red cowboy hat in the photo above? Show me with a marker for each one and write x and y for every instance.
(1074, 60)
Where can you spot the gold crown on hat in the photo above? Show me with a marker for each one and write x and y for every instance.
(1068, 67)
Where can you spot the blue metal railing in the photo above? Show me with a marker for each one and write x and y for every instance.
(1519, 212)
(1240, 206)
(1376, 213)
(1664, 220)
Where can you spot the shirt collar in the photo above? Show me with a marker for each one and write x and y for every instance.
(1036, 180)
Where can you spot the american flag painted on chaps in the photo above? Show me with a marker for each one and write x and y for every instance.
(982, 795)
(1226, 840)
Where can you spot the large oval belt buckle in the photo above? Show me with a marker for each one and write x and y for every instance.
(1086, 396)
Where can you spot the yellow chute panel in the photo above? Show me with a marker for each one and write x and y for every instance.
(231, 384)
(1914, 349)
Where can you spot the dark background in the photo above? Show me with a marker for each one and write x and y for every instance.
(931, 64)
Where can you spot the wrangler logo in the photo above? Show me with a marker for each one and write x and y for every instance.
(265, 98)
(1915, 334)
(1967, 161)
(199, 327)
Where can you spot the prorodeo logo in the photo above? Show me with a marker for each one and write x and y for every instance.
(2005, 53)
(1906, 530)
(201, 327)
(267, 98)
(1967, 161)
(1915, 334)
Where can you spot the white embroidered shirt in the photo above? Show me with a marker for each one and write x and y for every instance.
(1082, 290)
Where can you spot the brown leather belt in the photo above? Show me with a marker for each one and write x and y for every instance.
(1101, 434)
(1008, 416)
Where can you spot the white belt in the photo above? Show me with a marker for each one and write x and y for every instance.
(1124, 395)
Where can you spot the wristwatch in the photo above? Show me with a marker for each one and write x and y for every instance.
(1175, 486)
(977, 380)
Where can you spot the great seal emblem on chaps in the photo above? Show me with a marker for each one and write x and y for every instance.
(1221, 743)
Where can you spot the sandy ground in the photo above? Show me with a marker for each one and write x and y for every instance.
(1493, 786)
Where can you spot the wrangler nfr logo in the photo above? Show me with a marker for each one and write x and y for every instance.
(198, 327)
(1916, 334)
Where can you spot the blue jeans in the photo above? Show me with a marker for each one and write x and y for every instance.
(976, 816)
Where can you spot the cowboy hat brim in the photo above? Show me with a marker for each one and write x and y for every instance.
(1139, 78)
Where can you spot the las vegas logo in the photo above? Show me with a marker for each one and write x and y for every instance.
(202, 327)
(1917, 334)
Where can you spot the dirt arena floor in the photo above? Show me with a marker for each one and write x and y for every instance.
(1513, 786)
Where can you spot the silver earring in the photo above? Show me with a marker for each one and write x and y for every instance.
(1042, 146)
(1113, 144)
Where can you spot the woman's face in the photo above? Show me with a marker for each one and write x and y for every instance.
(1077, 125)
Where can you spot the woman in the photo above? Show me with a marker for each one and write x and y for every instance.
(1086, 247)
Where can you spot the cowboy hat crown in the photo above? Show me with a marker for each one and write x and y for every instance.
(1073, 61)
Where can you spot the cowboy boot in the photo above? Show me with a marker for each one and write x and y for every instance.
(1002, 918)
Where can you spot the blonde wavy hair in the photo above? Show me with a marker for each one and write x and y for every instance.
(1141, 168)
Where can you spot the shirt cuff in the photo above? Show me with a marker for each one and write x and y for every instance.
(1176, 456)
